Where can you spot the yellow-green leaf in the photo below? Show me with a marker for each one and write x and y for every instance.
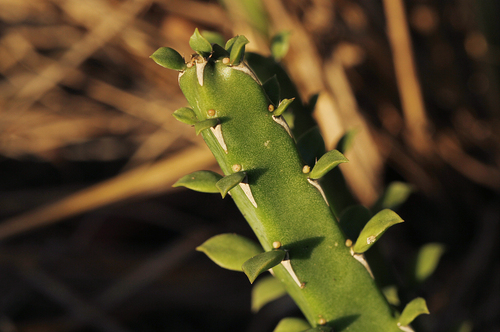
(374, 229)
(283, 106)
(203, 181)
(236, 48)
(199, 44)
(326, 163)
(262, 262)
(391, 294)
(230, 251)
(413, 309)
(186, 115)
(229, 182)
(292, 324)
(169, 58)
(427, 260)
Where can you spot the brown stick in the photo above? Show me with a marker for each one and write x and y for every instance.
(406, 75)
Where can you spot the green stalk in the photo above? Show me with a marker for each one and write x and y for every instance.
(278, 194)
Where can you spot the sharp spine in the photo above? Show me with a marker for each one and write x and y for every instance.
(361, 258)
(281, 121)
(317, 186)
(248, 192)
(217, 131)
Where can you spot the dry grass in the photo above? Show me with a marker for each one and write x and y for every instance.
(93, 237)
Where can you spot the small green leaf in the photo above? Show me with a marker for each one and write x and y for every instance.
(169, 58)
(327, 163)
(391, 294)
(272, 89)
(345, 142)
(413, 309)
(199, 44)
(262, 262)
(229, 182)
(427, 260)
(283, 106)
(394, 196)
(292, 324)
(213, 37)
(236, 48)
(266, 290)
(203, 181)
(185, 115)
(311, 145)
(205, 124)
(280, 44)
(230, 43)
(374, 229)
(353, 219)
(230, 251)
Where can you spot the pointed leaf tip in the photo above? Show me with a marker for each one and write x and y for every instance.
(261, 263)
(169, 58)
(200, 44)
(202, 181)
(229, 182)
(292, 324)
(412, 310)
(326, 163)
(375, 228)
(283, 106)
(236, 48)
(185, 115)
(230, 251)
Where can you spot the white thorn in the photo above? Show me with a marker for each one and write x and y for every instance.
(317, 186)
(361, 258)
(217, 131)
(281, 121)
(243, 67)
(200, 69)
(406, 328)
(288, 266)
(248, 193)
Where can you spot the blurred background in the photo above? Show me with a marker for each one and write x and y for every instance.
(94, 238)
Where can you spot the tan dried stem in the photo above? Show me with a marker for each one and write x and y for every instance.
(415, 117)
(140, 181)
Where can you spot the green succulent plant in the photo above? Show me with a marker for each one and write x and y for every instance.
(278, 190)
